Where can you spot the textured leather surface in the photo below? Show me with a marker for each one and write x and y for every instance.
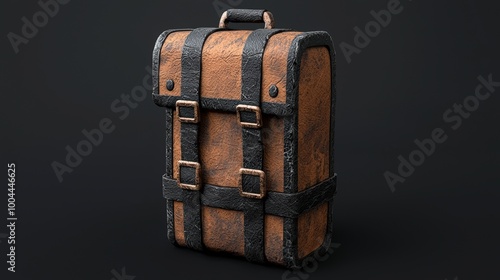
(221, 153)
(178, 223)
(222, 51)
(170, 225)
(170, 63)
(223, 230)
(299, 47)
(277, 204)
(285, 239)
(312, 230)
(313, 118)
(162, 62)
(221, 60)
(275, 68)
(227, 105)
(168, 173)
(221, 149)
(313, 147)
(191, 75)
(244, 15)
(252, 142)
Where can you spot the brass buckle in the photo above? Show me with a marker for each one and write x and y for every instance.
(197, 176)
(185, 104)
(262, 183)
(248, 108)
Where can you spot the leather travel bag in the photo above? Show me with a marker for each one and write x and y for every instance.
(249, 138)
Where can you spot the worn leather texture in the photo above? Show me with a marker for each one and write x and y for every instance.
(313, 147)
(290, 205)
(170, 64)
(294, 219)
(243, 15)
(190, 91)
(252, 141)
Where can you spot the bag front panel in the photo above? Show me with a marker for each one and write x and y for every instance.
(221, 150)
(286, 240)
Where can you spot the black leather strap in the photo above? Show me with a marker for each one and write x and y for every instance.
(191, 73)
(168, 174)
(226, 105)
(288, 205)
(252, 142)
(291, 205)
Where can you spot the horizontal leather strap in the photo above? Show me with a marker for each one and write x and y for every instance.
(289, 205)
(226, 105)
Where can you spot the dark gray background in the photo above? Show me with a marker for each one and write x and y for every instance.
(441, 223)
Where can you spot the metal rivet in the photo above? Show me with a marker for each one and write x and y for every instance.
(170, 85)
(273, 91)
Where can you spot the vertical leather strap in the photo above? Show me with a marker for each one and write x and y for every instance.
(252, 177)
(188, 112)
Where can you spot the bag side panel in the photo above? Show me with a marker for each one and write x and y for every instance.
(314, 112)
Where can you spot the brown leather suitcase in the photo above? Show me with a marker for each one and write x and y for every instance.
(250, 128)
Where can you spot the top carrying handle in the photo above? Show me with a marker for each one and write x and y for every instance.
(244, 15)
